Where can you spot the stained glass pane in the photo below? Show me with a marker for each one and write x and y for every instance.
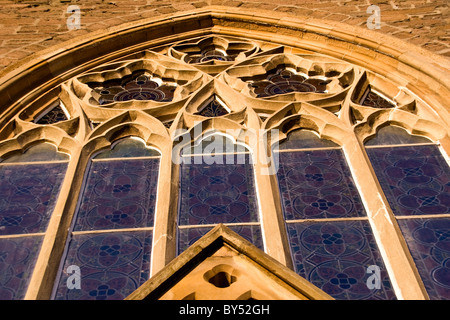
(39, 152)
(112, 265)
(284, 80)
(374, 100)
(335, 256)
(217, 193)
(27, 196)
(429, 242)
(127, 148)
(390, 135)
(55, 115)
(415, 179)
(216, 144)
(141, 86)
(213, 109)
(317, 184)
(119, 194)
(302, 139)
(188, 236)
(17, 259)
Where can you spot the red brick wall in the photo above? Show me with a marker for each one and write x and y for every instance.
(27, 26)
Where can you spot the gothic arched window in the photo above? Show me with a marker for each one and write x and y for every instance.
(29, 186)
(415, 178)
(217, 185)
(293, 141)
(111, 237)
(331, 240)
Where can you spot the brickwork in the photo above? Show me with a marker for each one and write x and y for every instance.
(27, 26)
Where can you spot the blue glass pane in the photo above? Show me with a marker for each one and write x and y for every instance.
(300, 139)
(27, 196)
(39, 152)
(429, 242)
(112, 265)
(415, 179)
(217, 193)
(128, 148)
(317, 184)
(119, 194)
(188, 236)
(335, 257)
(17, 259)
(395, 135)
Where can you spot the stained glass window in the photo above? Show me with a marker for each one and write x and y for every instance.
(415, 178)
(283, 79)
(214, 108)
(330, 238)
(29, 188)
(217, 185)
(54, 115)
(140, 86)
(112, 234)
(372, 98)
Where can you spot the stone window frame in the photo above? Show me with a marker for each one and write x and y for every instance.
(416, 75)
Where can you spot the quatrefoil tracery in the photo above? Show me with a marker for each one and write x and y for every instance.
(245, 76)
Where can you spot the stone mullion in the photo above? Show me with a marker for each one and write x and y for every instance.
(393, 248)
(271, 216)
(164, 232)
(47, 265)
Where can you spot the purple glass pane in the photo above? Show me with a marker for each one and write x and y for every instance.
(429, 242)
(17, 259)
(119, 194)
(188, 236)
(112, 265)
(27, 196)
(415, 179)
(317, 184)
(335, 257)
(217, 193)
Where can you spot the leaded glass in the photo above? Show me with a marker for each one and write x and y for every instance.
(282, 80)
(317, 184)
(55, 115)
(429, 243)
(112, 265)
(28, 196)
(119, 194)
(303, 139)
(415, 179)
(391, 135)
(140, 86)
(36, 153)
(17, 260)
(217, 193)
(127, 148)
(372, 99)
(213, 108)
(335, 257)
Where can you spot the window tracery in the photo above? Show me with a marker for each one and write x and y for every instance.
(246, 85)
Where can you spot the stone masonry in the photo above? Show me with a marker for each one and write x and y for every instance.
(27, 26)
